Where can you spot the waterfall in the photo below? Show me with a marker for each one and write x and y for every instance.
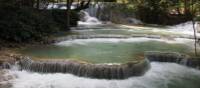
(173, 57)
(100, 71)
(93, 10)
(6, 65)
(161, 75)
(60, 6)
(111, 12)
(185, 28)
(85, 17)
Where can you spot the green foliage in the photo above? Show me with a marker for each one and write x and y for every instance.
(198, 18)
(163, 11)
(105, 0)
(152, 11)
(25, 24)
(60, 16)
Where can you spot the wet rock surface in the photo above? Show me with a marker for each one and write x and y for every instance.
(7, 60)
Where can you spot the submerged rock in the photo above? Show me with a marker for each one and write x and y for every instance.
(100, 71)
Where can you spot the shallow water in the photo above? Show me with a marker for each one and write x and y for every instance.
(124, 30)
(107, 50)
(113, 50)
(161, 75)
(180, 29)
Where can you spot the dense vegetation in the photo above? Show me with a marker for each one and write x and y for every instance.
(166, 12)
(27, 24)
(24, 24)
(29, 20)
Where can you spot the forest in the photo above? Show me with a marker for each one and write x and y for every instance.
(28, 20)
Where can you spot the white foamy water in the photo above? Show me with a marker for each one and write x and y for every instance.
(161, 75)
(185, 28)
(88, 23)
(127, 40)
(88, 20)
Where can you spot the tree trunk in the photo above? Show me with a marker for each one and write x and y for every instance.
(38, 4)
(68, 13)
(195, 37)
(83, 5)
(194, 29)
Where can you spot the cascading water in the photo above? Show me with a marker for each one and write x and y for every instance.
(161, 75)
(105, 48)
(173, 57)
(110, 12)
(93, 10)
(84, 69)
(110, 45)
(87, 19)
(185, 28)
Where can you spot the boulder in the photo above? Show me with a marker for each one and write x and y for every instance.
(5, 78)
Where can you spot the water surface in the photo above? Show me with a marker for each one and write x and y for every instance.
(108, 50)
(161, 75)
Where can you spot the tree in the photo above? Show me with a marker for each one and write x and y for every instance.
(83, 5)
(194, 29)
(68, 12)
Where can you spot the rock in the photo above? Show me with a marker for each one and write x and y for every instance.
(6, 85)
(6, 63)
(6, 60)
(5, 78)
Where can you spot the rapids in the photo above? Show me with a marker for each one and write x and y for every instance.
(161, 75)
